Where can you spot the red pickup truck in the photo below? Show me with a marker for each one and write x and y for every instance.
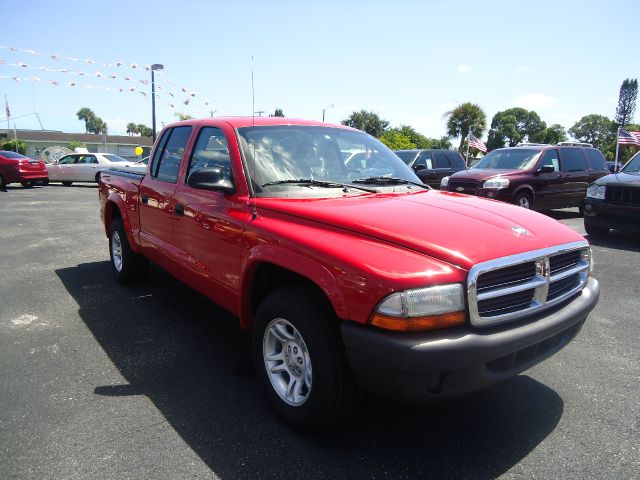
(349, 278)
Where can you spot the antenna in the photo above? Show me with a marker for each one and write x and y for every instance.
(253, 96)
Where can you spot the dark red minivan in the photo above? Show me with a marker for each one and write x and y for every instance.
(16, 168)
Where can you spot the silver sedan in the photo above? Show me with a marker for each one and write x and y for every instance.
(86, 167)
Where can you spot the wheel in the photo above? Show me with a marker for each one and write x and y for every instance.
(128, 266)
(67, 184)
(595, 231)
(581, 211)
(27, 184)
(301, 361)
(3, 186)
(523, 200)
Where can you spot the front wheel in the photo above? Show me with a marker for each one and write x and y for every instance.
(523, 200)
(127, 265)
(301, 360)
(67, 184)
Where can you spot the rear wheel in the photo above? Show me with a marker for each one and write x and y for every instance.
(128, 266)
(596, 231)
(67, 184)
(301, 360)
(523, 200)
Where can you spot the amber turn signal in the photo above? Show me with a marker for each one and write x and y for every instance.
(412, 324)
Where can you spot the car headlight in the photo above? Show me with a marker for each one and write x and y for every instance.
(496, 183)
(596, 191)
(444, 182)
(422, 309)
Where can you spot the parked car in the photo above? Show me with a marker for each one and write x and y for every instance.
(612, 167)
(613, 202)
(431, 166)
(86, 167)
(16, 168)
(347, 278)
(533, 176)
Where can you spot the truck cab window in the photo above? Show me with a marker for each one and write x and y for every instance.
(211, 151)
(167, 162)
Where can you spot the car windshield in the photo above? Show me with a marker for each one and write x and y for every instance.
(508, 159)
(290, 157)
(407, 157)
(8, 154)
(633, 165)
(114, 158)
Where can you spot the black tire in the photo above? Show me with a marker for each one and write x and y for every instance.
(332, 395)
(27, 184)
(128, 266)
(67, 184)
(524, 200)
(595, 231)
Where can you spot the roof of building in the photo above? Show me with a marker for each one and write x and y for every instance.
(58, 136)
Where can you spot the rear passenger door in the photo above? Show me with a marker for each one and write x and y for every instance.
(574, 174)
(157, 190)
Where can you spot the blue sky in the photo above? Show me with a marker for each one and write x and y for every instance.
(408, 61)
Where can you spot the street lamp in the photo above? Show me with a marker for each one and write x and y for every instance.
(154, 67)
(325, 109)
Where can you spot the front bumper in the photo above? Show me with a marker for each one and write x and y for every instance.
(416, 367)
(599, 213)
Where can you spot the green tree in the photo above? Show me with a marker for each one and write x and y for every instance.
(183, 116)
(552, 135)
(464, 119)
(442, 143)
(132, 128)
(73, 145)
(626, 102)
(513, 126)
(368, 122)
(144, 131)
(277, 113)
(11, 146)
(597, 130)
(419, 140)
(92, 123)
(395, 139)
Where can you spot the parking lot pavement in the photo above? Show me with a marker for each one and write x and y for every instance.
(98, 380)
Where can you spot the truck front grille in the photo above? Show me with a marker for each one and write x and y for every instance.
(462, 186)
(623, 195)
(520, 286)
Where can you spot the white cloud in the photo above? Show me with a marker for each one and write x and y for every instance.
(464, 68)
(523, 68)
(532, 101)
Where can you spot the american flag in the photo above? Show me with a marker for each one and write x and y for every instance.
(475, 142)
(628, 138)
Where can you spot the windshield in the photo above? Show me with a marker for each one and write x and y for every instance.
(407, 157)
(633, 165)
(114, 158)
(278, 156)
(508, 159)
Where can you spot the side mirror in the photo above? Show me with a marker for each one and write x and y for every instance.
(420, 167)
(210, 178)
(546, 169)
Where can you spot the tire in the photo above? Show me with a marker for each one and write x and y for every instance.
(524, 200)
(595, 231)
(128, 266)
(301, 361)
(67, 184)
(27, 184)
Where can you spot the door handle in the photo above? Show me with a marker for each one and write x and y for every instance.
(179, 209)
(145, 198)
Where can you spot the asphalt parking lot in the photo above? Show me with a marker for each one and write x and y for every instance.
(154, 381)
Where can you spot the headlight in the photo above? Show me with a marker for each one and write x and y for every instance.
(421, 309)
(596, 191)
(496, 183)
(444, 182)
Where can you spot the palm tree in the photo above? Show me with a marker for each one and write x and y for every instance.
(464, 119)
(87, 115)
(132, 128)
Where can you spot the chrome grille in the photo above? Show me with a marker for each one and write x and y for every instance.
(462, 186)
(518, 286)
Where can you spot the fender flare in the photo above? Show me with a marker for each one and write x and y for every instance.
(295, 262)
(115, 201)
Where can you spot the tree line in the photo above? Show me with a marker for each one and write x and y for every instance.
(509, 127)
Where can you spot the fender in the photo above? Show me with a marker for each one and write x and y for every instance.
(295, 262)
(115, 201)
(528, 189)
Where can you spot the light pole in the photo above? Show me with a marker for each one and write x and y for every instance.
(325, 109)
(154, 67)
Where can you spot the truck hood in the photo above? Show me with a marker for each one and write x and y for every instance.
(459, 229)
(620, 178)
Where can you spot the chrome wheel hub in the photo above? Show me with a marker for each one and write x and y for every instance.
(116, 251)
(287, 362)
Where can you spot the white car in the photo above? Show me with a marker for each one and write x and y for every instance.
(86, 167)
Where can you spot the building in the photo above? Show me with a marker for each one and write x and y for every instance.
(122, 145)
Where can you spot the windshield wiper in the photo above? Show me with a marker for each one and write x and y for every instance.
(389, 181)
(318, 183)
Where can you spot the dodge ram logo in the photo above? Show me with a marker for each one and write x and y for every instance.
(520, 231)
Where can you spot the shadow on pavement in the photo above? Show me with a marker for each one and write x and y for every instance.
(192, 361)
(629, 242)
(564, 214)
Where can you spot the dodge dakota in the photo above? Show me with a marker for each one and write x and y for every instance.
(349, 278)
